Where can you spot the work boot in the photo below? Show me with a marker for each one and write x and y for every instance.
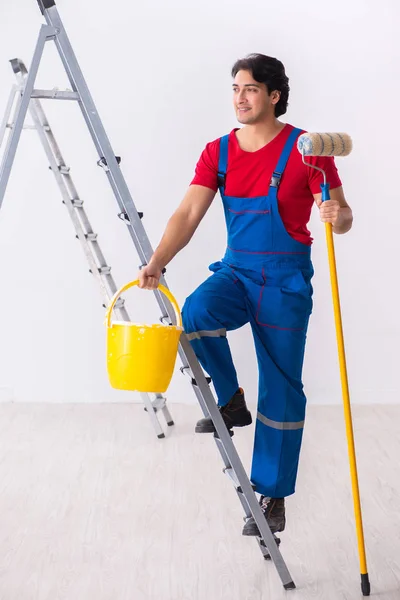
(234, 414)
(274, 512)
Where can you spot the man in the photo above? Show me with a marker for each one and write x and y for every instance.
(265, 276)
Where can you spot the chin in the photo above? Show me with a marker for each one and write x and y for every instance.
(243, 119)
(246, 119)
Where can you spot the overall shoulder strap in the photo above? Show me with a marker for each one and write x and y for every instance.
(280, 167)
(223, 162)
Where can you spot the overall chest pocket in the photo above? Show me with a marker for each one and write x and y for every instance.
(248, 222)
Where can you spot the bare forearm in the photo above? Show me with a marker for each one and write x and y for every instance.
(178, 232)
(177, 235)
(344, 221)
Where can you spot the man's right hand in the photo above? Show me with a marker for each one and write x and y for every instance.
(149, 276)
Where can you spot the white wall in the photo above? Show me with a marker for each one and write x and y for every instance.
(160, 76)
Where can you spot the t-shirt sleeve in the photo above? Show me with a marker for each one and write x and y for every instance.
(315, 178)
(206, 171)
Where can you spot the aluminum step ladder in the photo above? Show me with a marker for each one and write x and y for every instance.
(55, 31)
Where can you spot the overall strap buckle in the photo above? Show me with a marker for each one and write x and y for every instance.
(221, 177)
(281, 164)
(275, 179)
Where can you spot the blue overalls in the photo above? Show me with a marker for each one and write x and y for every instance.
(264, 279)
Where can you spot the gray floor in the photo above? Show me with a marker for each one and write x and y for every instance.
(93, 506)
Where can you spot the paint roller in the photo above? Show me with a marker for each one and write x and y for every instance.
(339, 144)
(324, 144)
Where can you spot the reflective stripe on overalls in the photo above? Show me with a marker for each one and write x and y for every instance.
(264, 279)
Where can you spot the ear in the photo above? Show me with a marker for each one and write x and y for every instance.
(275, 97)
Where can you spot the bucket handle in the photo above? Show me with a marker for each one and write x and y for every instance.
(125, 287)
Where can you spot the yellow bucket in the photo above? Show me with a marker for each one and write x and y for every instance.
(142, 357)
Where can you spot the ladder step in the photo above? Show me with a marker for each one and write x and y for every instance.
(158, 404)
(103, 163)
(55, 94)
(186, 371)
(64, 170)
(165, 320)
(124, 217)
(90, 237)
(77, 202)
(232, 476)
(27, 126)
(103, 270)
(120, 303)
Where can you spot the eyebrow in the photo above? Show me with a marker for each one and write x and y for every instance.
(246, 85)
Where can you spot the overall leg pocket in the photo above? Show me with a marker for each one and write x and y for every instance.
(285, 301)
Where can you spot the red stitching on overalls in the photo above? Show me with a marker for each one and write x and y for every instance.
(248, 252)
(242, 212)
(237, 278)
(258, 311)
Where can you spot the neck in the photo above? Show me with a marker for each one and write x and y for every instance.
(253, 137)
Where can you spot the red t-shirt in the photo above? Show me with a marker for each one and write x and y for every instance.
(249, 175)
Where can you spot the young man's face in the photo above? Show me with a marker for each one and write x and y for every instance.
(251, 101)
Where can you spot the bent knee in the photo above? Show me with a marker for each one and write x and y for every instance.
(197, 313)
(193, 312)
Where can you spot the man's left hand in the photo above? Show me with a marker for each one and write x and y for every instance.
(335, 211)
(329, 212)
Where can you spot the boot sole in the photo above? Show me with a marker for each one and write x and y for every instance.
(211, 428)
(254, 531)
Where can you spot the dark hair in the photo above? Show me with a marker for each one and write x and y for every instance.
(269, 71)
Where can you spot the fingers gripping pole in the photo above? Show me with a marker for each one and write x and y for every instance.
(328, 144)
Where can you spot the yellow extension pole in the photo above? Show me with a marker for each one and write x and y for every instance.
(365, 585)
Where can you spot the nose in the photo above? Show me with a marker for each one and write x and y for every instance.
(242, 96)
